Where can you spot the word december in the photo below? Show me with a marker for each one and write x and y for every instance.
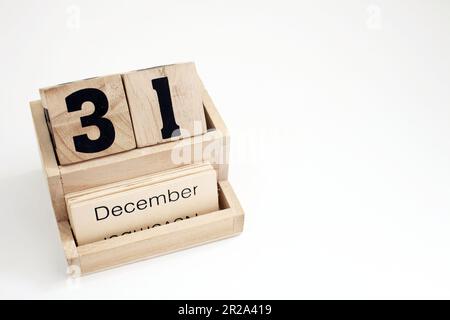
(103, 212)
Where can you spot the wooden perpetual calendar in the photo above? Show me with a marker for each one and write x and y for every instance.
(136, 165)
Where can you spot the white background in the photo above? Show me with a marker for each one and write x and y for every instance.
(339, 113)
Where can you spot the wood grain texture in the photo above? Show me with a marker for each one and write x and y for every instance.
(68, 243)
(212, 146)
(165, 239)
(226, 222)
(65, 125)
(48, 159)
(186, 96)
(220, 160)
(142, 204)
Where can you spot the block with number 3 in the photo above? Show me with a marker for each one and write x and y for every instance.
(89, 118)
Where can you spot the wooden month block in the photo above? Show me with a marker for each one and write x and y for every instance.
(142, 203)
(165, 103)
(89, 118)
(226, 222)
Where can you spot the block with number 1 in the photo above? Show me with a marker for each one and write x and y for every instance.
(165, 103)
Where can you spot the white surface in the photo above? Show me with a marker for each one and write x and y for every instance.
(340, 119)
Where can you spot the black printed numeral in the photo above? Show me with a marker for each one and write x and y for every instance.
(107, 134)
(170, 127)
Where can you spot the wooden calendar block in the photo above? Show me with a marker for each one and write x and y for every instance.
(176, 167)
(89, 118)
(165, 103)
(143, 203)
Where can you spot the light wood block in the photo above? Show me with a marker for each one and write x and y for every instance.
(138, 204)
(48, 159)
(224, 223)
(148, 103)
(89, 118)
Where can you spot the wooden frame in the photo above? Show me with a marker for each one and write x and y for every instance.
(226, 222)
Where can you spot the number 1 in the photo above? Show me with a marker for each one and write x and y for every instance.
(170, 127)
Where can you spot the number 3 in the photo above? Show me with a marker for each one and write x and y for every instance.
(107, 134)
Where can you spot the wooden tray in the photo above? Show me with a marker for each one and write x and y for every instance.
(212, 146)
